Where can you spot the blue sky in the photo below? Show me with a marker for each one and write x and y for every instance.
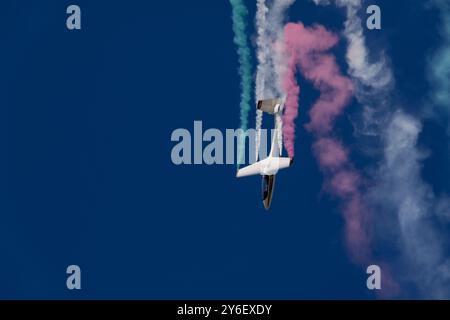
(85, 171)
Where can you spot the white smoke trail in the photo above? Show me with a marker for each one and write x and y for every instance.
(409, 204)
(263, 52)
(278, 65)
(269, 26)
(263, 48)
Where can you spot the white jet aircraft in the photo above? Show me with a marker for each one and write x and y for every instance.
(269, 166)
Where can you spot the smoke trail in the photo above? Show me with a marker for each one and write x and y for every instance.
(263, 48)
(406, 205)
(373, 80)
(410, 205)
(239, 17)
(269, 24)
(439, 65)
(277, 64)
(306, 49)
(292, 90)
(263, 52)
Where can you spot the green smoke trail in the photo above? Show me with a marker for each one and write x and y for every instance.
(439, 67)
(239, 17)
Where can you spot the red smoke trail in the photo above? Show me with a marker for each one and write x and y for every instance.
(306, 49)
(292, 90)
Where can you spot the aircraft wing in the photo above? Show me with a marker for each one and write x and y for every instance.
(268, 166)
(250, 170)
(284, 162)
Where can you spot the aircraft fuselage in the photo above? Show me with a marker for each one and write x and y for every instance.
(268, 184)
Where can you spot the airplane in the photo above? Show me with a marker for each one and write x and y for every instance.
(268, 167)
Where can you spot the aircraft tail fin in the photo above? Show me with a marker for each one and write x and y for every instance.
(271, 106)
